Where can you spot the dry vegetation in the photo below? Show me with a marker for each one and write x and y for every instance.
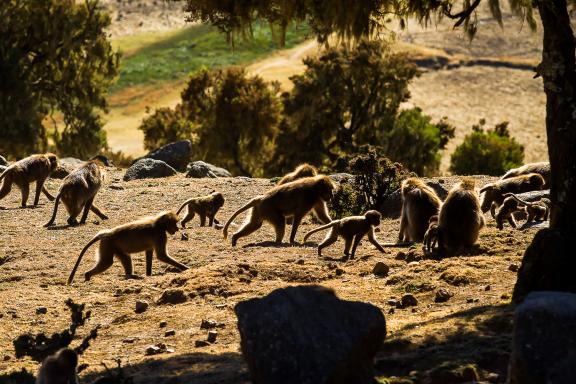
(472, 327)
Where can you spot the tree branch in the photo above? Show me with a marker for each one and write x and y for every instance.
(461, 16)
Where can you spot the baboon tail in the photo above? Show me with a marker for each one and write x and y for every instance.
(183, 205)
(399, 245)
(323, 227)
(250, 204)
(510, 194)
(3, 175)
(98, 236)
(55, 210)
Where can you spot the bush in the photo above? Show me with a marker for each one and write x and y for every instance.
(416, 142)
(490, 152)
(165, 126)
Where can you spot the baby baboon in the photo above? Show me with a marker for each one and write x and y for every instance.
(507, 210)
(459, 221)
(205, 206)
(494, 192)
(77, 193)
(419, 203)
(431, 235)
(146, 234)
(35, 168)
(303, 170)
(294, 199)
(352, 229)
(536, 211)
(542, 168)
(59, 368)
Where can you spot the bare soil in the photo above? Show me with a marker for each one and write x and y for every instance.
(472, 327)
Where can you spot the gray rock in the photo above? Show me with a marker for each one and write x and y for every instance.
(200, 169)
(381, 269)
(342, 178)
(212, 335)
(442, 296)
(41, 310)
(307, 335)
(408, 300)
(544, 340)
(3, 161)
(170, 332)
(65, 166)
(177, 154)
(141, 306)
(149, 169)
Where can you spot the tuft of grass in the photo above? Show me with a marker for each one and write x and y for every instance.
(458, 276)
(173, 56)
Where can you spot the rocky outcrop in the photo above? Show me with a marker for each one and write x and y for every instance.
(200, 169)
(149, 169)
(177, 154)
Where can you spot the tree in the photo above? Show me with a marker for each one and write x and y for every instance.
(344, 99)
(548, 262)
(54, 56)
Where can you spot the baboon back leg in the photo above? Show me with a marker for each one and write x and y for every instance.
(330, 238)
(98, 212)
(251, 225)
(87, 207)
(347, 245)
(25, 191)
(6, 186)
(126, 261)
(512, 221)
(202, 219)
(104, 261)
(279, 223)
(149, 255)
(189, 216)
(357, 240)
(210, 220)
(403, 223)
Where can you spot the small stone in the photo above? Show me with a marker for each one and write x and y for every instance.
(41, 310)
(505, 296)
(117, 187)
(513, 267)
(300, 261)
(172, 296)
(6, 357)
(156, 349)
(400, 256)
(442, 296)
(411, 256)
(413, 263)
(414, 310)
(392, 302)
(208, 324)
(381, 269)
(221, 306)
(43, 285)
(408, 300)
(169, 332)
(141, 306)
(184, 236)
(244, 280)
(129, 340)
(339, 271)
(212, 335)
(487, 288)
(391, 311)
(469, 300)
(163, 324)
(201, 343)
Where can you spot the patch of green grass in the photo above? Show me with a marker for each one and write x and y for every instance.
(179, 54)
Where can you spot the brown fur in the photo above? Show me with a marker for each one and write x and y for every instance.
(78, 191)
(352, 229)
(494, 192)
(542, 168)
(506, 212)
(458, 223)
(146, 234)
(35, 168)
(295, 199)
(536, 211)
(59, 368)
(205, 206)
(301, 171)
(419, 203)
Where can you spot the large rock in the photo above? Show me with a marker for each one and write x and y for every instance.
(65, 166)
(307, 335)
(392, 207)
(3, 161)
(149, 169)
(177, 155)
(200, 169)
(534, 195)
(544, 340)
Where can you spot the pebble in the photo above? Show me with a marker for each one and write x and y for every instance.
(392, 302)
(208, 324)
(141, 306)
(163, 324)
(400, 256)
(169, 332)
(513, 267)
(442, 296)
(408, 300)
(41, 310)
(212, 335)
(381, 269)
(129, 340)
(339, 271)
(117, 187)
(201, 343)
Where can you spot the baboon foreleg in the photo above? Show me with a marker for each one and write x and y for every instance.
(39, 186)
(202, 219)
(331, 238)
(512, 221)
(401, 234)
(98, 212)
(295, 224)
(149, 256)
(189, 216)
(347, 246)
(162, 255)
(374, 242)
(25, 191)
(493, 209)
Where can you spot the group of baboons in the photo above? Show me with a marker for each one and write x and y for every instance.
(444, 227)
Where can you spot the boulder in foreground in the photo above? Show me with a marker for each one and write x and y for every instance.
(177, 154)
(307, 335)
(149, 169)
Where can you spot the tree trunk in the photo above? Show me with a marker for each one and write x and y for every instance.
(550, 261)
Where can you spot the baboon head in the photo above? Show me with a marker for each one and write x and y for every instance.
(536, 181)
(327, 187)
(306, 170)
(218, 199)
(169, 221)
(490, 192)
(53, 161)
(433, 219)
(373, 217)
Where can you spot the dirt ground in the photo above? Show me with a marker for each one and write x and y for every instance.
(472, 327)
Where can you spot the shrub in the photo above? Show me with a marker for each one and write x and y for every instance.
(487, 152)
(165, 126)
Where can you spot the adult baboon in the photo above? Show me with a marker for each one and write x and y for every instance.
(295, 199)
(494, 192)
(301, 171)
(542, 168)
(419, 203)
(59, 368)
(35, 168)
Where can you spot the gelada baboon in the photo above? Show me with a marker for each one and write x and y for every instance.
(301, 171)
(459, 221)
(59, 368)
(507, 210)
(419, 203)
(205, 206)
(542, 168)
(536, 211)
(146, 234)
(77, 193)
(352, 229)
(494, 192)
(35, 168)
(295, 199)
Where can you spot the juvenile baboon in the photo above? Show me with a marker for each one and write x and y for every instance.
(301, 171)
(35, 168)
(542, 168)
(59, 368)
(294, 199)
(494, 192)
(352, 229)
(536, 211)
(205, 206)
(419, 203)
(459, 221)
(507, 210)
(77, 193)
(146, 234)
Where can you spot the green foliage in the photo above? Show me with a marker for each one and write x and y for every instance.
(416, 142)
(231, 118)
(54, 55)
(490, 152)
(343, 100)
